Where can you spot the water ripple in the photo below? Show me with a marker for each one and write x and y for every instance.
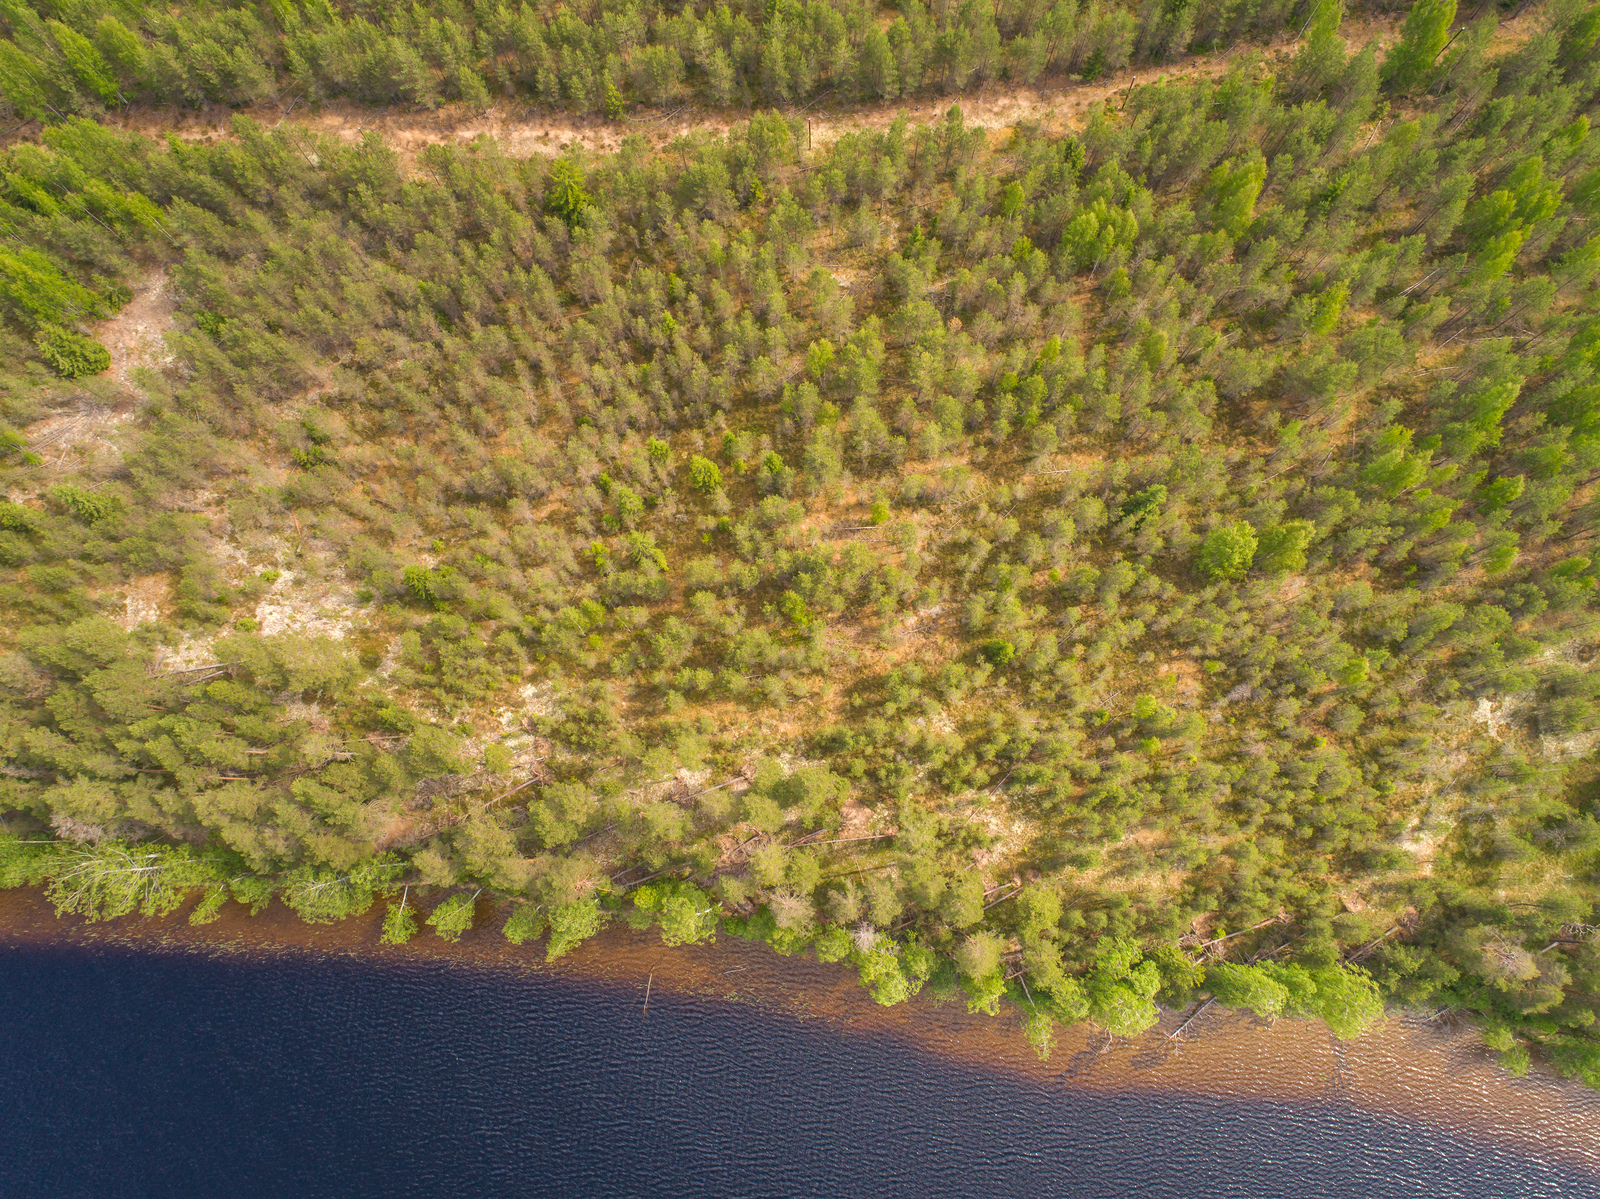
(149, 1074)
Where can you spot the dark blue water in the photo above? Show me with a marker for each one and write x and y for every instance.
(127, 1073)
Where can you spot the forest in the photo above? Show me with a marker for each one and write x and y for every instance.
(1066, 572)
(601, 57)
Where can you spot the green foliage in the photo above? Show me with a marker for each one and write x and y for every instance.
(1145, 505)
(431, 584)
(1235, 187)
(294, 662)
(1246, 987)
(1121, 987)
(399, 924)
(586, 61)
(704, 475)
(1395, 467)
(322, 896)
(566, 197)
(1097, 232)
(21, 83)
(794, 609)
(36, 293)
(71, 355)
(452, 917)
(209, 909)
(997, 652)
(18, 518)
(526, 923)
(253, 891)
(1281, 549)
(684, 913)
(979, 959)
(1181, 976)
(892, 972)
(571, 924)
(833, 944)
(1427, 29)
(1228, 551)
(90, 507)
(1575, 1057)
(103, 882)
(819, 357)
(1346, 1000)
(28, 861)
(84, 61)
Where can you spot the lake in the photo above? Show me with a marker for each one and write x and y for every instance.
(150, 1059)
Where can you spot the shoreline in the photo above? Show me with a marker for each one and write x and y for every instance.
(1404, 1067)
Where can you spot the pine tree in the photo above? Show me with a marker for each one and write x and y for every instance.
(21, 82)
(1427, 31)
(85, 61)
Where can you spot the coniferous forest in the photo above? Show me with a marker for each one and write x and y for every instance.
(1067, 571)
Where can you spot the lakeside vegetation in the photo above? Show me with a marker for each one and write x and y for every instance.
(1083, 570)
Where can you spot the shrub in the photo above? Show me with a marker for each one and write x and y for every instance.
(1227, 552)
(399, 924)
(1283, 547)
(1145, 505)
(794, 608)
(429, 585)
(997, 652)
(90, 507)
(704, 475)
(526, 923)
(566, 197)
(452, 917)
(71, 355)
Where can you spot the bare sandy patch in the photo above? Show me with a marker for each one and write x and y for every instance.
(1565, 749)
(85, 426)
(145, 596)
(1187, 682)
(1423, 843)
(313, 607)
(191, 653)
(136, 336)
(1494, 722)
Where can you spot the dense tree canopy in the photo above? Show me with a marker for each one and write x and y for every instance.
(59, 58)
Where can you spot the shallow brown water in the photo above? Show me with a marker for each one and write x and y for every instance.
(1404, 1068)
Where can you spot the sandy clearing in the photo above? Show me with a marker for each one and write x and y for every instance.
(308, 606)
(84, 426)
(86, 423)
(136, 336)
(145, 596)
(522, 132)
